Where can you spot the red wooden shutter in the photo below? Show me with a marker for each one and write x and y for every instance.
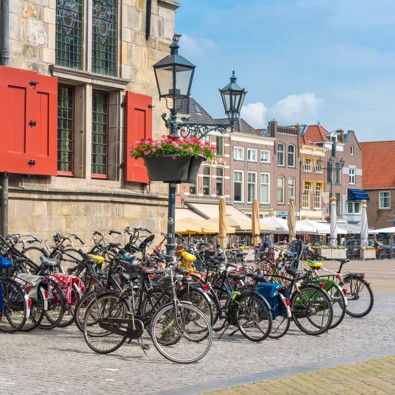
(138, 126)
(28, 113)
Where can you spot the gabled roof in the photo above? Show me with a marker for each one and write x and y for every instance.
(193, 110)
(313, 134)
(378, 164)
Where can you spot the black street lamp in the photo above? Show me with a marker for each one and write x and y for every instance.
(174, 75)
(334, 166)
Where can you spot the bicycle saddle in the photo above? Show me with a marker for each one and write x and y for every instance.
(297, 273)
(314, 264)
(49, 262)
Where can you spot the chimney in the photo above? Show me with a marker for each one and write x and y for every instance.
(272, 127)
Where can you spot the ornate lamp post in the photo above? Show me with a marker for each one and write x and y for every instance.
(174, 75)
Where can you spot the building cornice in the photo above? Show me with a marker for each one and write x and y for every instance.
(78, 76)
(171, 4)
(243, 138)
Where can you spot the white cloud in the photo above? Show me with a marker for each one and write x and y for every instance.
(254, 114)
(302, 108)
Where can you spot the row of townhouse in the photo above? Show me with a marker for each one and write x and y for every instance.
(77, 88)
(303, 162)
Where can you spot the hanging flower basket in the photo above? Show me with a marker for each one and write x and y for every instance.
(172, 168)
(173, 159)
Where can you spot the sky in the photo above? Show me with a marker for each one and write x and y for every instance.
(302, 61)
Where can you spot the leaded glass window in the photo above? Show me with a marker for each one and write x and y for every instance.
(104, 36)
(99, 134)
(65, 129)
(69, 32)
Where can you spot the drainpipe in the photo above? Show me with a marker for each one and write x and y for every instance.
(5, 33)
(5, 56)
(148, 19)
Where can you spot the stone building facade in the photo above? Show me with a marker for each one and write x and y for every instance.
(98, 55)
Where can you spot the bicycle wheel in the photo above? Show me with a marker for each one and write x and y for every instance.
(281, 316)
(253, 316)
(311, 309)
(56, 307)
(153, 300)
(215, 305)
(13, 306)
(36, 313)
(223, 299)
(339, 304)
(69, 313)
(199, 299)
(98, 327)
(359, 296)
(80, 310)
(181, 333)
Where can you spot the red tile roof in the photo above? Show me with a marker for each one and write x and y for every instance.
(314, 134)
(378, 164)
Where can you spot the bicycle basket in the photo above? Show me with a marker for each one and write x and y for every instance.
(270, 292)
(5, 263)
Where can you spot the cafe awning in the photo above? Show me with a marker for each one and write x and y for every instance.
(357, 195)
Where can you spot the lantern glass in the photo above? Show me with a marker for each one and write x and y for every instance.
(233, 97)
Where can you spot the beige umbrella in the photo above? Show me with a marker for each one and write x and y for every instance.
(222, 223)
(364, 225)
(292, 220)
(256, 231)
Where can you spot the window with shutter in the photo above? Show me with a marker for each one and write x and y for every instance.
(29, 122)
(138, 126)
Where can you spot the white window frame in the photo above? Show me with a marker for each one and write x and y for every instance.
(307, 188)
(222, 180)
(317, 198)
(352, 150)
(205, 177)
(307, 165)
(265, 185)
(317, 166)
(291, 188)
(282, 151)
(281, 188)
(265, 156)
(220, 148)
(252, 155)
(351, 207)
(238, 153)
(291, 155)
(381, 198)
(251, 181)
(352, 175)
(241, 182)
(196, 187)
